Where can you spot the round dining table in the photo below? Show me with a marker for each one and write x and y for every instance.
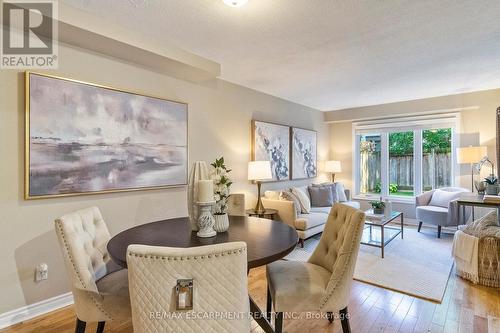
(266, 240)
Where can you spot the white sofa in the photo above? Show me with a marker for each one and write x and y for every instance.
(307, 225)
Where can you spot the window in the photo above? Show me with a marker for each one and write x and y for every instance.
(401, 163)
(436, 149)
(401, 160)
(369, 171)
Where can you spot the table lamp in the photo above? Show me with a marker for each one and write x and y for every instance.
(258, 171)
(333, 167)
(471, 155)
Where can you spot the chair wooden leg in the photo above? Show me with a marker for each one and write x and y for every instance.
(268, 305)
(80, 326)
(330, 317)
(301, 242)
(439, 231)
(419, 226)
(100, 327)
(278, 323)
(344, 320)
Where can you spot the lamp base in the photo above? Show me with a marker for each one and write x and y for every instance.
(259, 208)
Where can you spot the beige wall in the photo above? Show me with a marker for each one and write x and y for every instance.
(478, 127)
(219, 125)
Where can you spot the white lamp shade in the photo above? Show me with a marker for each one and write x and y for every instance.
(471, 154)
(333, 166)
(259, 170)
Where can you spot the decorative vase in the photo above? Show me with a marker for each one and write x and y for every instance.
(480, 187)
(492, 189)
(378, 210)
(221, 222)
(388, 208)
(206, 220)
(199, 171)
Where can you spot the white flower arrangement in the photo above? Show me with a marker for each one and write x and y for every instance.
(222, 183)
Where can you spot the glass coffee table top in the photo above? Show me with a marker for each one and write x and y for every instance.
(373, 236)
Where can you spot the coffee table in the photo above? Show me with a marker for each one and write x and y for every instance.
(377, 231)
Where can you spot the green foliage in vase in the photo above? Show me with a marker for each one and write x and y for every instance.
(222, 184)
(377, 204)
(491, 180)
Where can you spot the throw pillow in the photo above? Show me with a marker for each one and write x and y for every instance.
(442, 198)
(272, 195)
(474, 228)
(321, 196)
(340, 192)
(332, 188)
(289, 196)
(302, 195)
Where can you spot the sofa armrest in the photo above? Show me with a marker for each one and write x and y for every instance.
(347, 194)
(453, 214)
(424, 198)
(286, 210)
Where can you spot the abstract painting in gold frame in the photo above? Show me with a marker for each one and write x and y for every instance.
(84, 138)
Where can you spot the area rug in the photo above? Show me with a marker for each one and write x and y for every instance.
(418, 265)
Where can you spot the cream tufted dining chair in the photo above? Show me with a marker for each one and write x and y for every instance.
(324, 282)
(100, 287)
(219, 274)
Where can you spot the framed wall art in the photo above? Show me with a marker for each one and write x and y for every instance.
(304, 153)
(83, 138)
(271, 142)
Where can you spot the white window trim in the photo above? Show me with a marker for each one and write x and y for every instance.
(384, 127)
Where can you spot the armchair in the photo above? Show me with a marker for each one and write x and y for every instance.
(439, 207)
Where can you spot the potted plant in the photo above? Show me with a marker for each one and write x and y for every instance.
(491, 185)
(378, 206)
(222, 183)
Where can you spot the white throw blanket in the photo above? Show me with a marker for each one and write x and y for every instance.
(465, 252)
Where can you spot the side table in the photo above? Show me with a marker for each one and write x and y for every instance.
(267, 214)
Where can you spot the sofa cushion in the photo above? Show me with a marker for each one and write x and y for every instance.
(301, 193)
(432, 214)
(311, 220)
(273, 195)
(339, 187)
(353, 204)
(289, 196)
(332, 187)
(321, 196)
(442, 198)
(325, 210)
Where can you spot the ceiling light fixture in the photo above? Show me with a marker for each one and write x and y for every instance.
(235, 3)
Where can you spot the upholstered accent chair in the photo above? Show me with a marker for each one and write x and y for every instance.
(100, 287)
(439, 208)
(219, 274)
(324, 282)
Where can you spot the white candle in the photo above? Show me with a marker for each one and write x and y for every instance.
(205, 191)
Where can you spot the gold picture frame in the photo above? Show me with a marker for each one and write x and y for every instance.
(157, 163)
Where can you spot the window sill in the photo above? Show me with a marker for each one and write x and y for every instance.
(403, 200)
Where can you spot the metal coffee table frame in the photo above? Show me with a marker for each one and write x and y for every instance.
(383, 225)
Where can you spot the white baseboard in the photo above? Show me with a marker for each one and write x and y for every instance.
(34, 310)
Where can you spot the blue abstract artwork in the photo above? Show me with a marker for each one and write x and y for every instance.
(271, 142)
(304, 153)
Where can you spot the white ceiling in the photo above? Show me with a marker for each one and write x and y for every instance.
(330, 54)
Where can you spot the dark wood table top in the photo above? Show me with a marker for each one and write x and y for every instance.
(267, 240)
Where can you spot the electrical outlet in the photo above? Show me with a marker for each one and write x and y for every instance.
(42, 272)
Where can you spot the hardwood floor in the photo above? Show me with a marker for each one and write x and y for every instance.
(465, 308)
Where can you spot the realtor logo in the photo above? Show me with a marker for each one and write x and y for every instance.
(29, 34)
